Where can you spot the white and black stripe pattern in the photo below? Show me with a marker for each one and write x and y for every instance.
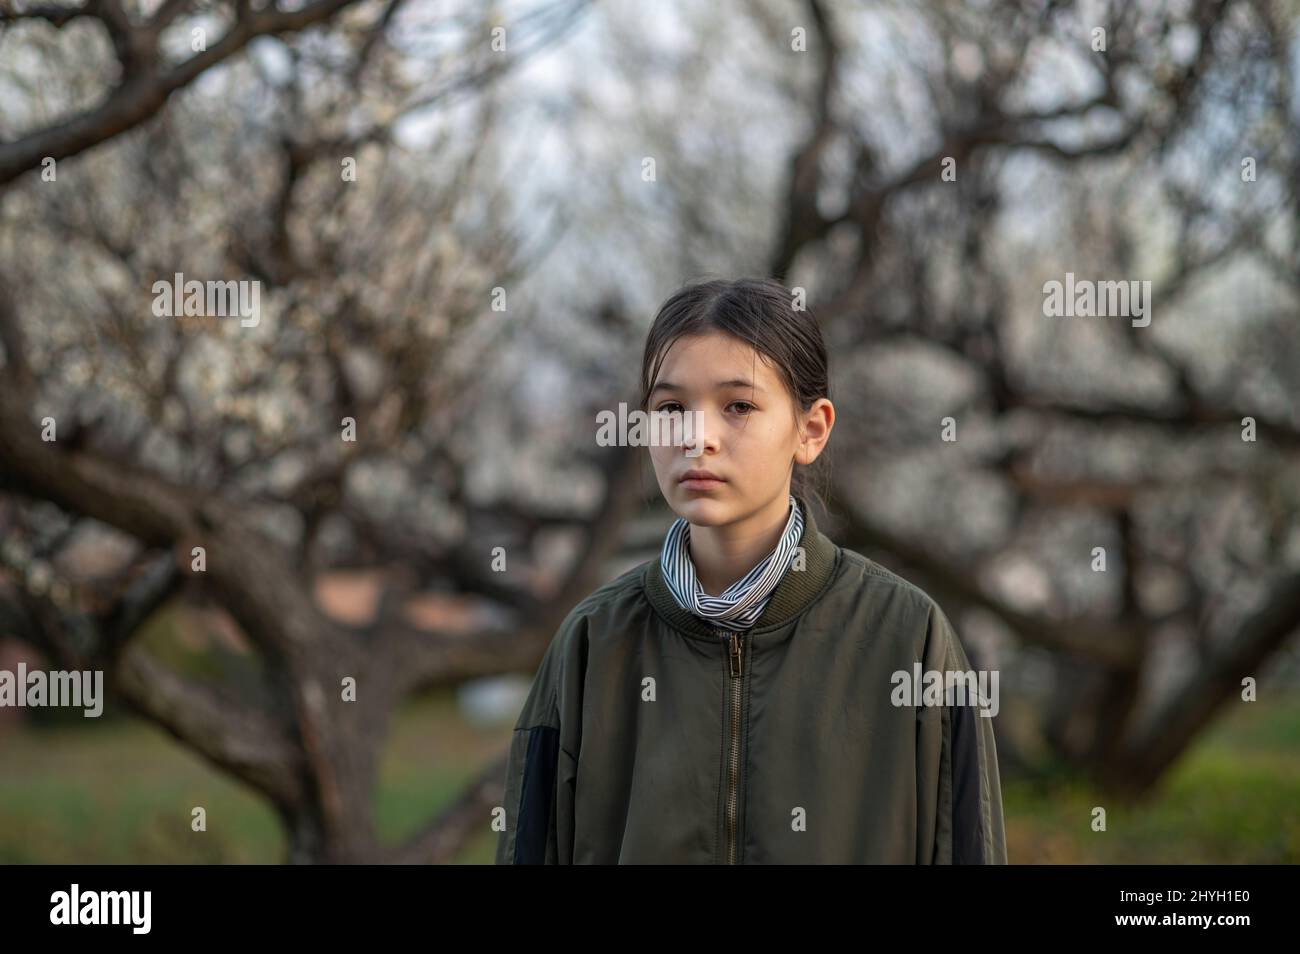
(742, 603)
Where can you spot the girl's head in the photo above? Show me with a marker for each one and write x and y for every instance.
(753, 370)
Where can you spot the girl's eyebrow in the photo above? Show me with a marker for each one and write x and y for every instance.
(718, 386)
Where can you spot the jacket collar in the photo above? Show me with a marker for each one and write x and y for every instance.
(796, 590)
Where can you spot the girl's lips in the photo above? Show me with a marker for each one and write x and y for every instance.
(702, 483)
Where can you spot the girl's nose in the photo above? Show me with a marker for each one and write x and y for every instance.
(698, 436)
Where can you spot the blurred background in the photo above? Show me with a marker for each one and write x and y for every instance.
(461, 218)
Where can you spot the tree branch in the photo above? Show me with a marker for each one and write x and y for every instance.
(145, 89)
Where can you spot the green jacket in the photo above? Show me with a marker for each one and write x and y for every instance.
(650, 737)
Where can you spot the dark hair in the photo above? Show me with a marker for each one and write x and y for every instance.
(759, 312)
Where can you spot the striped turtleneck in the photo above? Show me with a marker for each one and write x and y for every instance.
(742, 603)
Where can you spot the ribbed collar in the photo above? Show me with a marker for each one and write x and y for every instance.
(795, 591)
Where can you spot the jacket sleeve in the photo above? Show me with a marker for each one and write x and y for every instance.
(959, 788)
(541, 773)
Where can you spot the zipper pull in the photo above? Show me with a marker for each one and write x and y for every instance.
(736, 659)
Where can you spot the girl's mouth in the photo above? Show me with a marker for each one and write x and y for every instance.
(702, 483)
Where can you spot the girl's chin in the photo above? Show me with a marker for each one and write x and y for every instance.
(701, 508)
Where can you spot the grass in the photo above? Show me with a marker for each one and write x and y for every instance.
(122, 792)
(1233, 798)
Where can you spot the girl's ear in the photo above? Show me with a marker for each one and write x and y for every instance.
(814, 430)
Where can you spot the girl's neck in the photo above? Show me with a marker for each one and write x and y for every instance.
(722, 555)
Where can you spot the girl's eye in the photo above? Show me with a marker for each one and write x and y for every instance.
(670, 407)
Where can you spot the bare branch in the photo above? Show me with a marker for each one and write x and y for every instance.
(143, 92)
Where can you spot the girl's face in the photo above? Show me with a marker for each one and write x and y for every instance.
(748, 433)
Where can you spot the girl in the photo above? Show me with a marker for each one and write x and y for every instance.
(753, 695)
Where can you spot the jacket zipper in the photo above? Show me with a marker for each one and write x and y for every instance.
(734, 645)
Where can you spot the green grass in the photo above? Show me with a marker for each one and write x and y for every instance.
(122, 791)
(431, 755)
(1233, 798)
